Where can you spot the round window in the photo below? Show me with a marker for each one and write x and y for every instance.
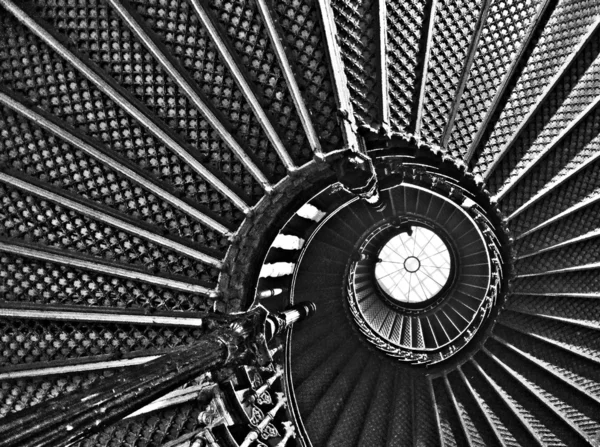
(413, 267)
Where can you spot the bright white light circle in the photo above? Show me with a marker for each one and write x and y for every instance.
(413, 268)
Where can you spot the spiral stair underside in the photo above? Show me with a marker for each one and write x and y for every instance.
(151, 150)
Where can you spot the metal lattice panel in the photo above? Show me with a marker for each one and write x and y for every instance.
(357, 25)
(25, 280)
(64, 93)
(506, 27)
(578, 189)
(567, 28)
(404, 27)
(300, 23)
(108, 42)
(27, 341)
(455, 24)
(32, 220)
(151, 150)
(247, 33)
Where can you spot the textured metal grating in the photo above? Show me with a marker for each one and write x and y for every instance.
(358, 38)
(404, 28)
(26, 148)
(18, 394)
(567, 350)
(550, 403)
(582, 253)
(572, 282)
(582, 187)
(152, 429)
(571, 96)
(108, 42)
(25, 280)
(29, 219)
(579, 223)
(453, 33)
(25, 342)
(566, 28)
(304, 36)
(506, 27)
(246, 31)
(63, 92)
(529, 409)
(140, 225)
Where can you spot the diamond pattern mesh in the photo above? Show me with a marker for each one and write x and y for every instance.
(566, 27)
(26, 280)
(25, 342)
(583, 186)
(153, 429)
(28, 66)
(18, 394)
(334, 373)
(450, 426)
(29, 219)
(573, 367)
(553, 335)
(357, 26)
(571, 151)
(109, 43)
(528, 408)
(246, 31)
(404, 27)
(300, 23)
(501, 38)
(585, 311)
(572, 282)
(582, 253)
(554, 431)
(452, 34)
(27, 148)
(579, 223)
(494, 409)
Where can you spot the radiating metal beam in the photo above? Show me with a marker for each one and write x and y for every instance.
(576, 268)
(557, 217)
(594, 325)
(95, 316)
(503, 86)
(274, 32)
(101, 266)
(537, 395)
(535, 361)
(340, 82)
(554, 343)
(582, 238)
(240, 77)
(127, 169)
(482, 408)
(95, 212)
(466, 71)
(457, 410)
(83, 366)
(558, 294)
(383, 74)
(544, 95)
(124, 100)
(189, 87)
(422, 69)
(507, 402)
(549, 148)
(176, 397)
(436, 415)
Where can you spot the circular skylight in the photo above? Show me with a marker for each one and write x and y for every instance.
(413, 268)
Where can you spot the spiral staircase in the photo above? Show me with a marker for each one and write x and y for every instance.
(161, 160)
